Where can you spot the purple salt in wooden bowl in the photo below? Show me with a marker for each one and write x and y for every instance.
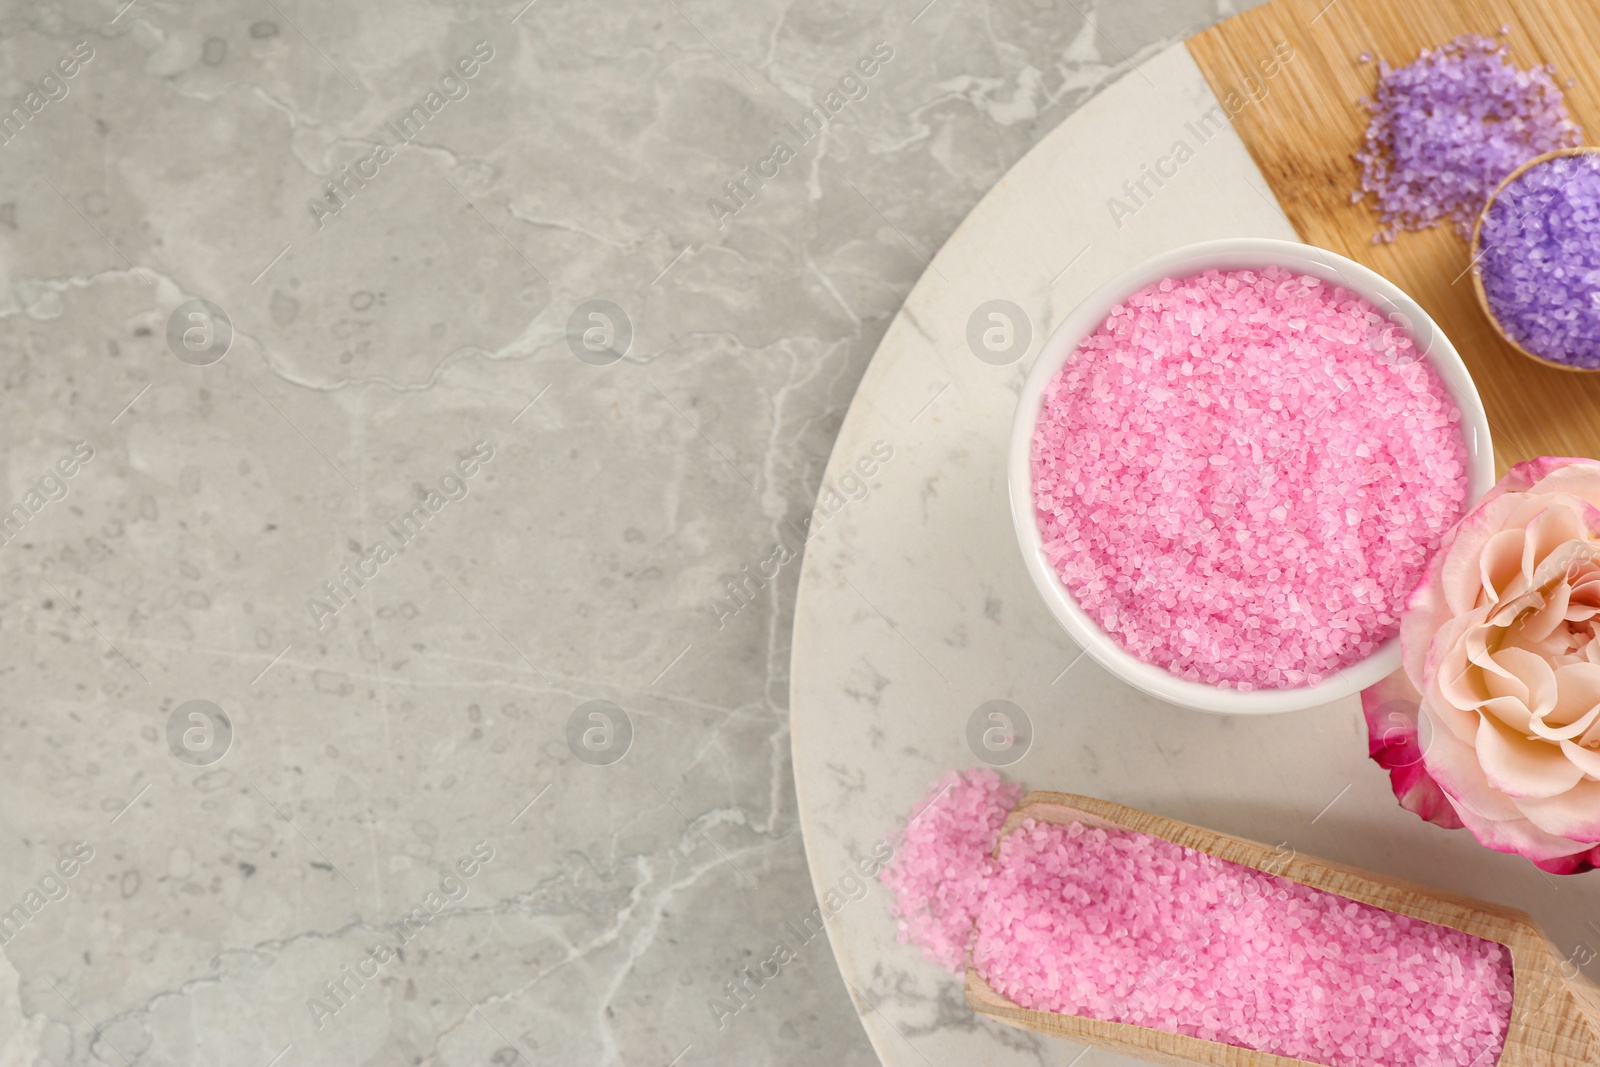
(1477, 257)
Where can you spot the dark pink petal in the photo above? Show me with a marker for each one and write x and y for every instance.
(1576, 863)
(1394, 743)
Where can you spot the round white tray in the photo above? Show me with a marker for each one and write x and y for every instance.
(915, 608)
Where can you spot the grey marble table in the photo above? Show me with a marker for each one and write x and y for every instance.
(405, 405)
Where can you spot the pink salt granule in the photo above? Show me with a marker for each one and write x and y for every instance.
(1448, 127)
(944, 861)
(1241, 475)
(1123, 927)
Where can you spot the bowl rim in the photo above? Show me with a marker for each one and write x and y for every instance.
(1239, 253)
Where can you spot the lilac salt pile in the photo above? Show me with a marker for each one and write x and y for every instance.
(1240, 476)
(1448, 128)
(1113, 925)
(1540, 260)
(945, 860)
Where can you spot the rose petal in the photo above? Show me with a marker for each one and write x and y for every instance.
(1511, 711)
(1577, 863)
(1454, 765)
(1501, 682)
(1519, 767)
(1505, 612)
(1556, 525)
(1585, 584)
(1454, 689)
(1501, 562)
(1550, 852)
(1553, 647)
(1584, 757)
(1542, 622)
(1577, 702)
(1580, 477)
(1563, 562)
(1535, 673)
(1574, 814)
(1543, 728)
(1393, 742)
(1492, 817)
(1457, 578)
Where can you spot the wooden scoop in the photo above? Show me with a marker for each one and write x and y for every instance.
(1555, 1022)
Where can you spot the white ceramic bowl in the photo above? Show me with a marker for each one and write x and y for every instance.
(1230, 254)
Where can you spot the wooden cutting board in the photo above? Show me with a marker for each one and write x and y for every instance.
(1303, 134)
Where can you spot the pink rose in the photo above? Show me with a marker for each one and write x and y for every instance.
(1494, 721)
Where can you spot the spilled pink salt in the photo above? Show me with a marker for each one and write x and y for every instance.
(1240, 476)
(1119, 926)
(944, 862)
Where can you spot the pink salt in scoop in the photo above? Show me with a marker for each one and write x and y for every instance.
(1240, 475)
(1144, 935)
(1124, 927)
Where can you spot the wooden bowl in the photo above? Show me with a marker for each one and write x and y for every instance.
(1555, 1018)
(1477, 253)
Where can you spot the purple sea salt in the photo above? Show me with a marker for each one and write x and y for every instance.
(1540, 260)
(1447, 128)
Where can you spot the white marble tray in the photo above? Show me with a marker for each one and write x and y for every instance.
(914, 607)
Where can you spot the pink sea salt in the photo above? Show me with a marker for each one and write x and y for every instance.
(1241, 475)
(1448, 127)
(1119, 926)
(944, 861)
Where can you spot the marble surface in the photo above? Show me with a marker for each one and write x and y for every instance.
(916, 614)
(496, 167)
